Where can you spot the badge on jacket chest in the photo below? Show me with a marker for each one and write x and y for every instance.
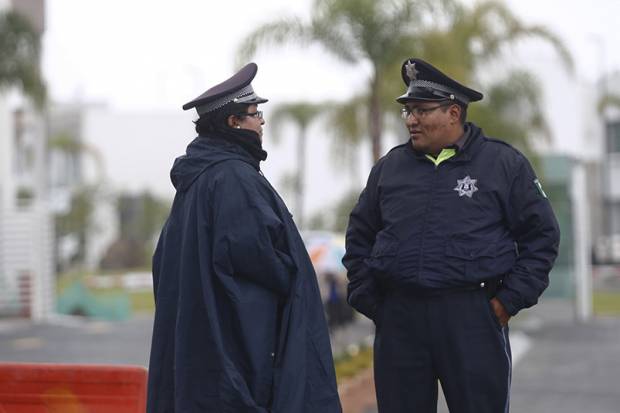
(466, 186)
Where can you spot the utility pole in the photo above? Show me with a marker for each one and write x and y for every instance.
(581, 242)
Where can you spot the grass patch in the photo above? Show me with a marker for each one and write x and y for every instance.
(352, 363)
(140, 301)
(65, 280)
(606, 303)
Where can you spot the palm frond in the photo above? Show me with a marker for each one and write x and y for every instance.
(494, 25)
(458, 39)
(608, 101)
(512, 111)
(346, 124)
(301, 114)
(277, 33)
(557, 44)
(20, 55)
(335, 40)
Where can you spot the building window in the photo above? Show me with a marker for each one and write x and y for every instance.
(613, 137)
(614, 217)
(23, 144)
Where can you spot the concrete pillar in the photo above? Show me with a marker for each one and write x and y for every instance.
(582, 243)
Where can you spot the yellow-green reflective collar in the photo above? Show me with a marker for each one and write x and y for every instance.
(445, 154)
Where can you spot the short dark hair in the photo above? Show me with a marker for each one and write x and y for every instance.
(463, 117)
(218, 119)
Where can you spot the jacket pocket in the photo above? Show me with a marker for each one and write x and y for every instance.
(491, 313)
(477, 261)
(384, 254)
(363, 294)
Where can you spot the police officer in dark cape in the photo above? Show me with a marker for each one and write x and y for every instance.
(451, 237)
(239, 325)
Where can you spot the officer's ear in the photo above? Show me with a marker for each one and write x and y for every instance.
(455, 113)
(232, 121)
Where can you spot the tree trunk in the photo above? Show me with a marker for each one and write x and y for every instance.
(300, 181)
(375, 124)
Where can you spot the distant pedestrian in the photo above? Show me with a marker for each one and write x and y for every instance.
(334, 301)
(452, 236)
(239, 324)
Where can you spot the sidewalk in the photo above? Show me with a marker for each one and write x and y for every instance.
(571, 367)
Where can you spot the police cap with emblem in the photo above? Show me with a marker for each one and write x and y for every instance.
(427, 83)
(237, 89)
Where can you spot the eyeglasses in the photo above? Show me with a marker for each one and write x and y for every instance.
(418, 112)
(258, 114)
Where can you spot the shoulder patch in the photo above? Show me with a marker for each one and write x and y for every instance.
(540, 188)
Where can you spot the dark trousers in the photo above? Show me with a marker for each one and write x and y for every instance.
(454, 339)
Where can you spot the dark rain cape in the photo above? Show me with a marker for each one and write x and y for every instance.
(239, 325)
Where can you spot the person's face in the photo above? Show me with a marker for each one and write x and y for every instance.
(430, 124)
(251, 120)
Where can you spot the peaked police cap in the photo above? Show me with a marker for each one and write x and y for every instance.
(427, 83)
(237, 89)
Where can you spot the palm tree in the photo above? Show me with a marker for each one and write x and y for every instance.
(355, 31)
(78, 219)
(302, 115)
(512, 111)
(458, 39)
(470, 40)
(609, 100)
(20, 52)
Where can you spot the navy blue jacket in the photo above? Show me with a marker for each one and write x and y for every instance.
(479, 215)
(239, 325)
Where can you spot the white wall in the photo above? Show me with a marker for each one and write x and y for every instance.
(26, 233)
(6, 132)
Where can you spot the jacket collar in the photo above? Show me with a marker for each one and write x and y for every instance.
(470, 144)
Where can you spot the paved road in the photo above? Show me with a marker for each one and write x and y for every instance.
(74, 340)
(77, 340)
(568, 367)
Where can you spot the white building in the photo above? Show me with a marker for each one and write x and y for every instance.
(26, 226)
(609, 221)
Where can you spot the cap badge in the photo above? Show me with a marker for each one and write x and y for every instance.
(412, 72)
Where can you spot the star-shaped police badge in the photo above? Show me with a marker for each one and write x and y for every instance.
(466, 186)
(412, 72)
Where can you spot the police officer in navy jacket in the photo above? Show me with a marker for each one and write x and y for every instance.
(452, 236)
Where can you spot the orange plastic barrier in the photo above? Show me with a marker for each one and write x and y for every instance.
(67, 388)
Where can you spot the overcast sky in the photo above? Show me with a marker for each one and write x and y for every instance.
(158, 54)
